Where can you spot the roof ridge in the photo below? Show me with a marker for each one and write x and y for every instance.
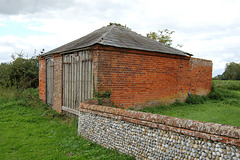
(117, 36)
(106, 35)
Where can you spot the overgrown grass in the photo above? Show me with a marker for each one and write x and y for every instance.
(30, 130)
(222, 105)
(227, 84)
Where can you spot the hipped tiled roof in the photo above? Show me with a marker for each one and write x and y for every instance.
(118, 36)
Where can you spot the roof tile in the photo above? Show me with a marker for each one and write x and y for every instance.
(118, 36)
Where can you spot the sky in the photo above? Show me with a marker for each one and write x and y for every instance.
(208, 29)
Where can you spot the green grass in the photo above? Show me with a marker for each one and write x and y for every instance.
(220, 106)
(227, 84)
(30, 130)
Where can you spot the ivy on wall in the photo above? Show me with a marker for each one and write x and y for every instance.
(100, 95)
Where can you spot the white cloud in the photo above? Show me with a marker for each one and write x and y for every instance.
(13, 7)
(207, 29)
(13, 44)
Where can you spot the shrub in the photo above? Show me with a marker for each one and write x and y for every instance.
(215, 95)
(227, 84)
(225, 93)
(233, 86)
(196, 99)
(22, 73)
(178, 103)
(101, 95)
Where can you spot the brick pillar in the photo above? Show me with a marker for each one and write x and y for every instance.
(42, 79)
(57, 96)
(201, 76)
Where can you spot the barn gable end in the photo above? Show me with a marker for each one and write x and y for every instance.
(140, 78)
(137, 70)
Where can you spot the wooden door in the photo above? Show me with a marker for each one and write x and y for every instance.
(77, 79)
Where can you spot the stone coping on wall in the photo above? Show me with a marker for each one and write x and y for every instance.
(210, 131)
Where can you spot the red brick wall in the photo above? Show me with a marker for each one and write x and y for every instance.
(201, 76)
(42, 78)
(141, 77)
(138, 78)
(57, 96)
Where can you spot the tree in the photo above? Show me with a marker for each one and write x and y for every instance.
(118, 24)
(16, 55)
(24, 73)
(5, 69)
(232, 71)
(21, 72)
(218, 77)
(163, 36)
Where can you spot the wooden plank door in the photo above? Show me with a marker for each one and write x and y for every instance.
(77, 79)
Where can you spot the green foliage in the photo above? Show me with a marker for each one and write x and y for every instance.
(154, 36)
(178, 103)
(232, 72)
(221, 90)
(101, 95)
(30, 131)
(22, 73)
(118, 24)
(163, 36)
(227, 84)
(5, 70)
(196, 99)
(215, 96)
(218, 77)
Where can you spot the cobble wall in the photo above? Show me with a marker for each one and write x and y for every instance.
(151, 136)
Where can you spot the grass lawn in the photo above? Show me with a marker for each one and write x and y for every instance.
(28, 131)
(227, 84)
(222, 106)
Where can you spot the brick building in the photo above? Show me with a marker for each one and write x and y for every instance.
(137, 70)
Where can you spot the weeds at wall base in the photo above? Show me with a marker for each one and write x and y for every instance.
(216, 94)
(221, 106)
(219, 93)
